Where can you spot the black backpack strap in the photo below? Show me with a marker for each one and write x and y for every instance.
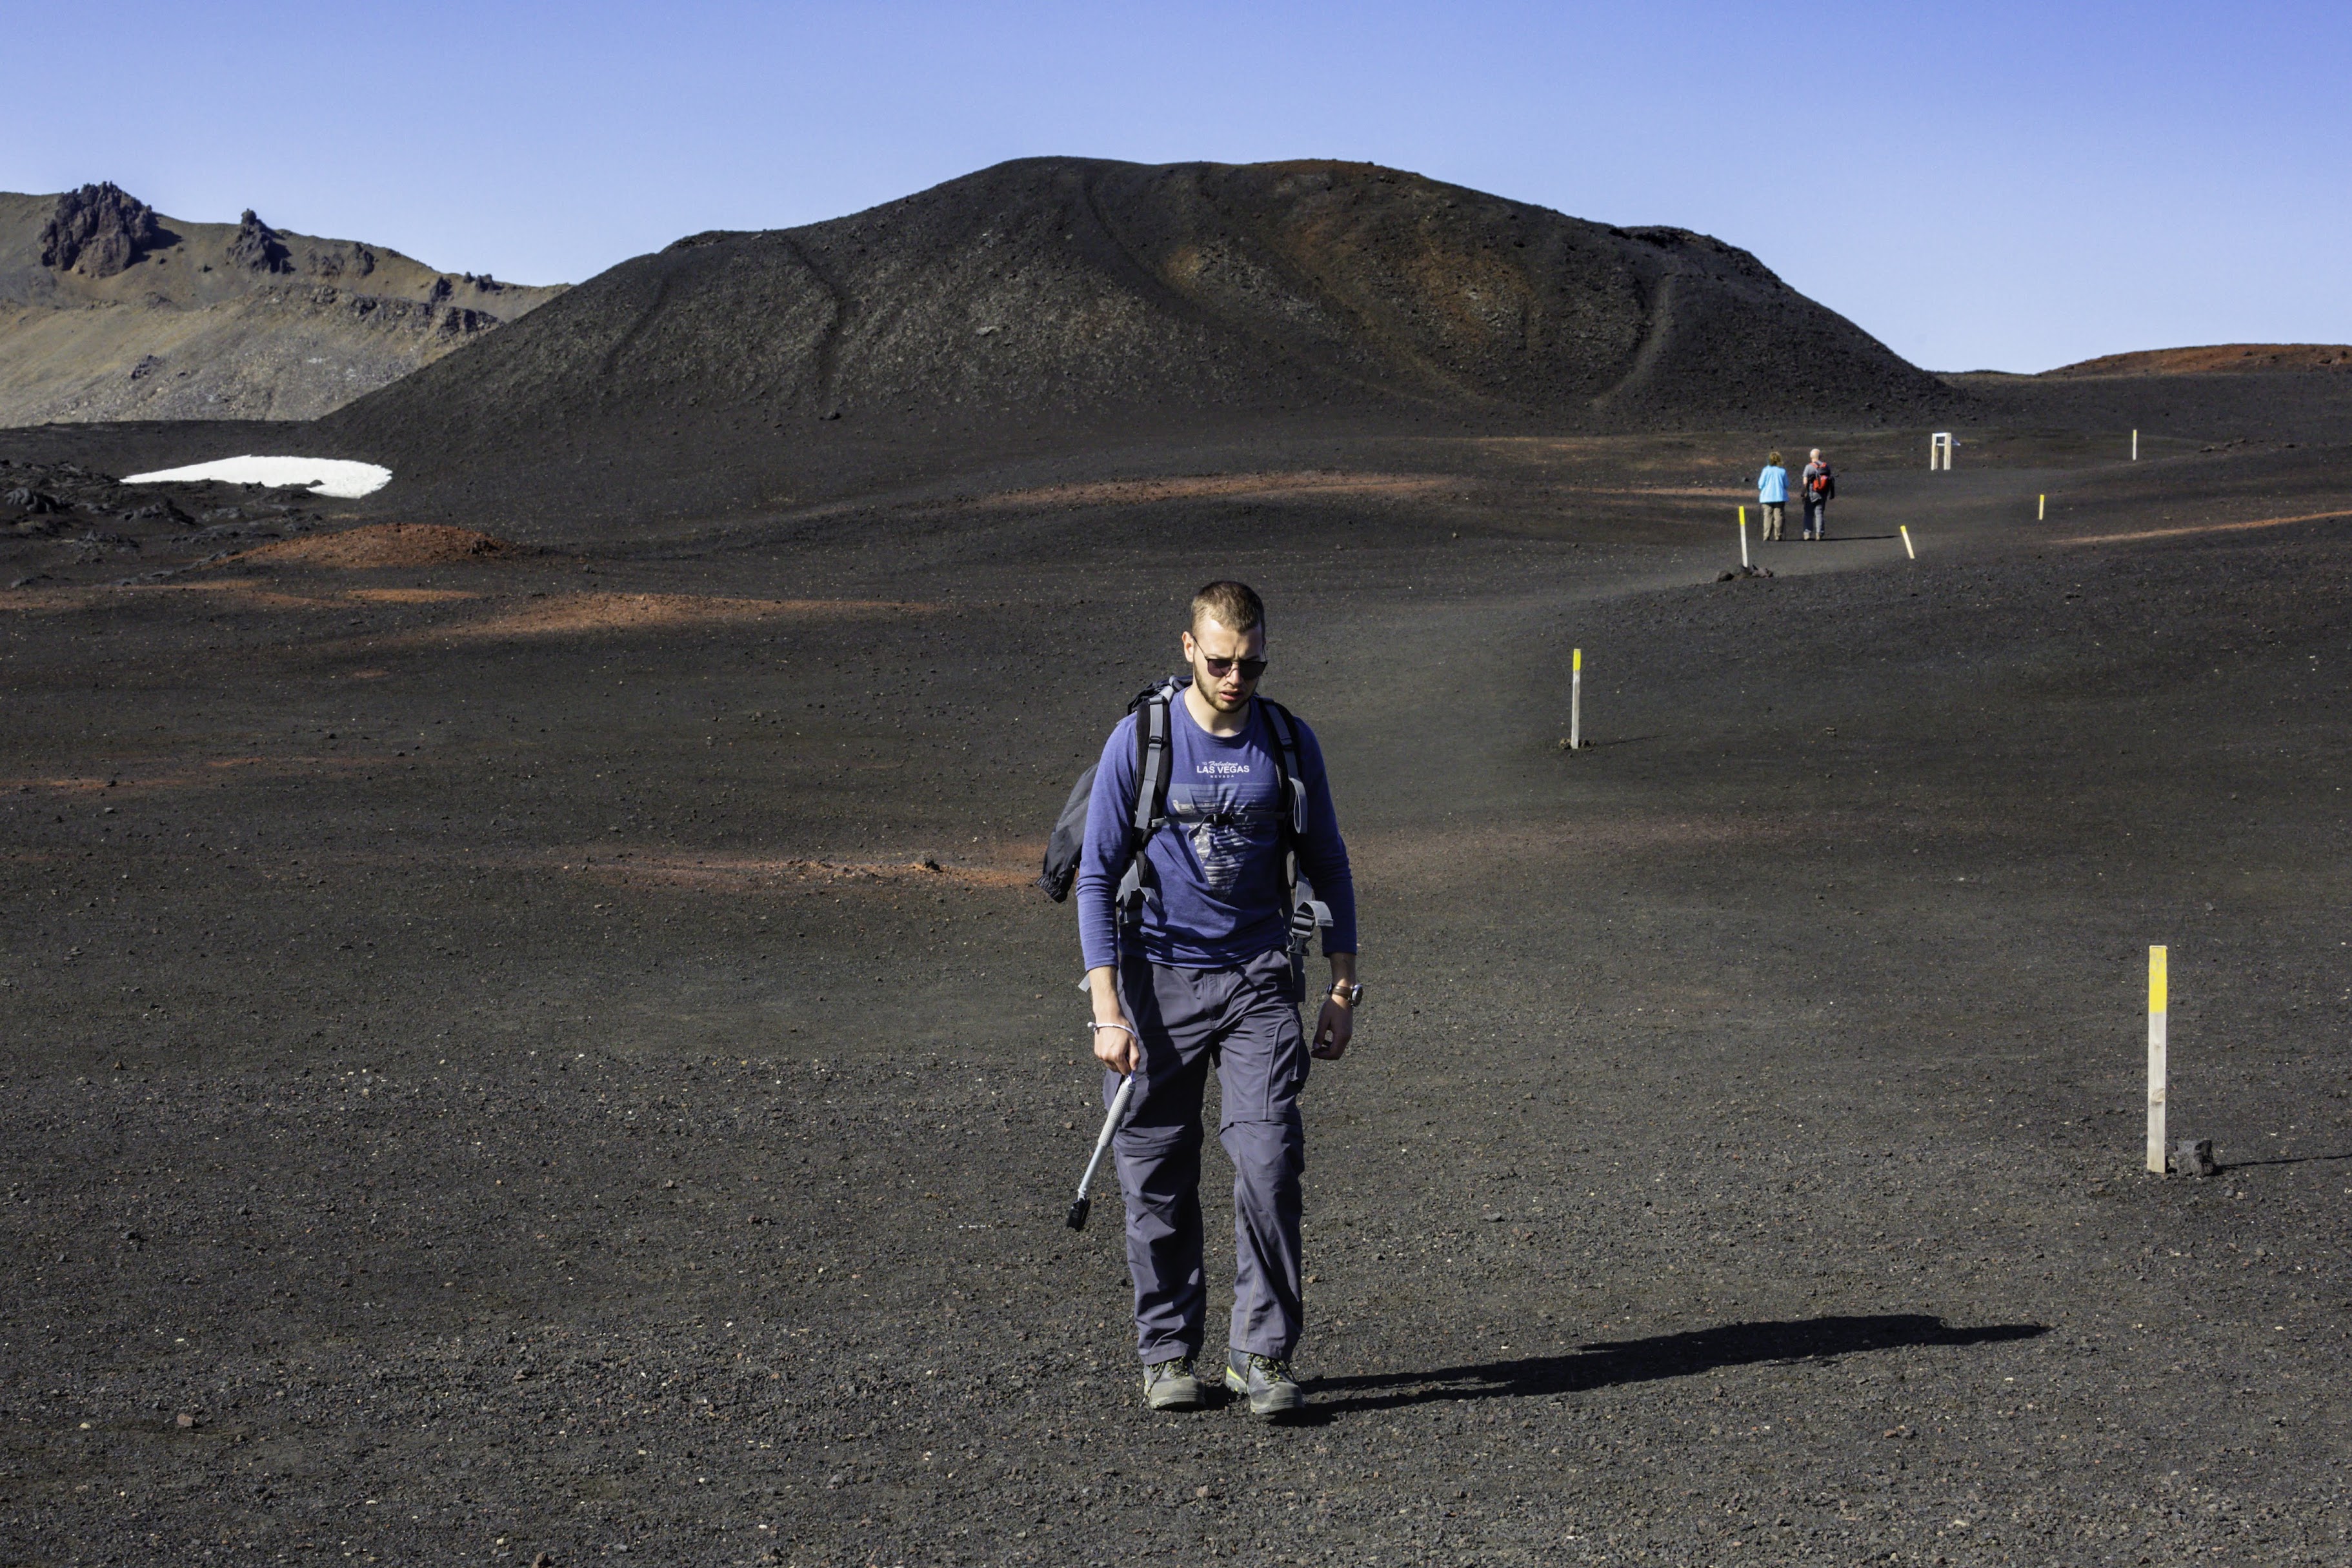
(1154, 762)
(1294, 777)
(1303, 915)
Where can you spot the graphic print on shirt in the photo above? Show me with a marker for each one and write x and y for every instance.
(1227, 811)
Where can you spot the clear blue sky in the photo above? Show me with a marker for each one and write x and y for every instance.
(1992, 185)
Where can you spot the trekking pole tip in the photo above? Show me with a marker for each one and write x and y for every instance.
(1077, 1216)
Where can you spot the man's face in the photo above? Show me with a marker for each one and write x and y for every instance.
(1217, 654)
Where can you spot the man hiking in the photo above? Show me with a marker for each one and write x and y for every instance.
(1772, 494)
(1821, 488)
(1204, 974)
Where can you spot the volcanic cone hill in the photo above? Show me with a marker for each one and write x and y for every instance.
(111, 310)
(1075, 292)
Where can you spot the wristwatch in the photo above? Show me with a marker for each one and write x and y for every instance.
(1348, 991)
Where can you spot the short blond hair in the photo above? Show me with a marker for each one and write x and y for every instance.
(1234, 606)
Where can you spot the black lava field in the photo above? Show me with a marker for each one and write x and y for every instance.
(530, 1040)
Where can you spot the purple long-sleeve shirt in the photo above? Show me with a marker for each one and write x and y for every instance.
(1218, 860)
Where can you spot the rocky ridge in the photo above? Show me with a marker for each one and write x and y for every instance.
(110, 310)
(2213, 359)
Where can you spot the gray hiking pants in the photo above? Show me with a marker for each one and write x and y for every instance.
(1245, 1020)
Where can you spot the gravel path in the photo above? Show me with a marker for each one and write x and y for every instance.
(596, 1087)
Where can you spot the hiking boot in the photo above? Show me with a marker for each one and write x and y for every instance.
(1267, 1381)
(1171, 1385)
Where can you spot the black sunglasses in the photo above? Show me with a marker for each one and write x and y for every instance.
(1251, 667)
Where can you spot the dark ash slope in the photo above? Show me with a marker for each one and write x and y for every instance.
(1062, 291)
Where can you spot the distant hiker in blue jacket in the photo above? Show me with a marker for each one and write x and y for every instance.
(1772, 494)
(1202, 977)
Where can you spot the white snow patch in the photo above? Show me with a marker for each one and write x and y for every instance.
(321, 476)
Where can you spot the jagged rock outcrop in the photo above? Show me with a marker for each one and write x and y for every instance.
(258, 246)
(481, 287)
(358, 260)
(99, 230)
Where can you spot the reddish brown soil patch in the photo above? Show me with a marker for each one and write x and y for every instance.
(496, 617)
(2204, 528)
(560, 614)
(210, 773)
(2214, 358)
(1225, 487)
(411, 595)
(245, 592)
(387, 544)
(751, 875)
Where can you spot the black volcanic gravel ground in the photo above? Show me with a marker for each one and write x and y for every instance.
(490, 1073)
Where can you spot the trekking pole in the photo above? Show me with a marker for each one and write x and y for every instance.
(1077, 1217)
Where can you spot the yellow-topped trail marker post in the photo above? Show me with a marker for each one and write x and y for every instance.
(1576, 700)
(1743, 539)
(1905, 530)
(2157, 1069)
(2040, 507)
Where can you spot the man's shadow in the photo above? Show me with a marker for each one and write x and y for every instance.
(1607, 1365)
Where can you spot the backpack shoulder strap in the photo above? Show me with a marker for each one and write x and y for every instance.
(1294, 779)
(1154, 762)
(1302, 916)
(1154, 709)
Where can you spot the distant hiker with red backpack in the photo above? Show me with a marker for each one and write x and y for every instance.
(1821, 488)
(1207, 800)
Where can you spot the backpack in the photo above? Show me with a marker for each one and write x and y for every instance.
(1154, 707)
(1822, 486)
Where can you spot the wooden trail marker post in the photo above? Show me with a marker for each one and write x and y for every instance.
(1743, 539)
(1905, 529)
(2135, 445)
(2158, 1068)
(2040, 507)
(1576, 700)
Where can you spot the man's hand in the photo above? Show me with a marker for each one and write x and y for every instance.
(1336, 1025)
(1333, 1029)
(1116, 1045)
